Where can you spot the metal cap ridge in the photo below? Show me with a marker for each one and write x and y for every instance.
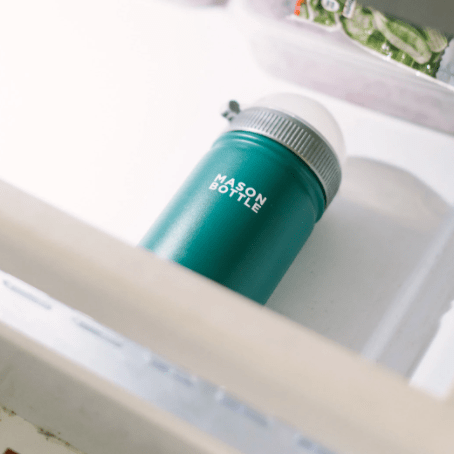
(298, 136)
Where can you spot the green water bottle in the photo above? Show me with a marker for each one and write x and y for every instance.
(249, 206)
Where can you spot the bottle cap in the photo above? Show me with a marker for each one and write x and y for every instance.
(302, 125)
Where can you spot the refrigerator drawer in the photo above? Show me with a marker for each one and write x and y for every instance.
(282, 372)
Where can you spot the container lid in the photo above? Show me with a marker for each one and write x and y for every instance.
(302, 125)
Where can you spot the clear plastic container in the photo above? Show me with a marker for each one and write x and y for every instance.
(334, 64)
(199, 2)
(374, 276)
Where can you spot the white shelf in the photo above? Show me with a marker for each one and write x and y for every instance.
(265, 360)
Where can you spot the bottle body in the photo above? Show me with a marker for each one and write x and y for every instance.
(242, 215)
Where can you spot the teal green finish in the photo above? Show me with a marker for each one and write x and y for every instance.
(217, 235)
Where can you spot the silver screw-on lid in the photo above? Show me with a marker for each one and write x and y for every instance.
(297, 135)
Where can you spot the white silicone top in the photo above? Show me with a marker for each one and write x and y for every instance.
(311, 113)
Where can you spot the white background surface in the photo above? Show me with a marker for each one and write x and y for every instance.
(105, 106)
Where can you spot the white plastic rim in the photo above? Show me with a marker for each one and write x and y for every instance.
(311, 113)
(435, 372)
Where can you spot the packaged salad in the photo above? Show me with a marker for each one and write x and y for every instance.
(356, 53)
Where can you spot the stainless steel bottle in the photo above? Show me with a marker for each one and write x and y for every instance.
(249, 206)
